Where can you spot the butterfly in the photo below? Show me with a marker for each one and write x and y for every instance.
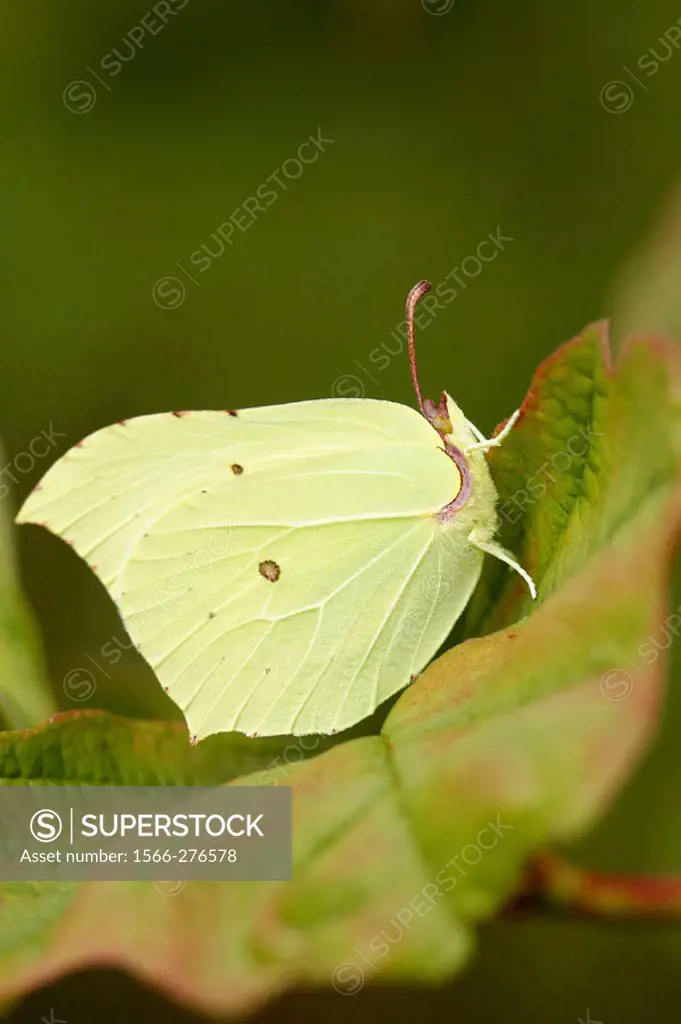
(284, 569)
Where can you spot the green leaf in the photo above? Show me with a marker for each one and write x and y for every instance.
(590, 449)
(25, 698)
(508, 742)
(100, 749)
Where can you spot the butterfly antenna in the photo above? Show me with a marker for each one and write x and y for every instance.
(414, 296)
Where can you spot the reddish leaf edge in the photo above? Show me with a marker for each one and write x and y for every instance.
(555, 881)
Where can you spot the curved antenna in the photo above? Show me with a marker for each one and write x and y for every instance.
(414, 296)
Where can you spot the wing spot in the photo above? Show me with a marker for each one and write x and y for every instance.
(237, 469)
(269, 570)
(231, 412)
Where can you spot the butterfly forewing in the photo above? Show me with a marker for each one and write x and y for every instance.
(283, 569)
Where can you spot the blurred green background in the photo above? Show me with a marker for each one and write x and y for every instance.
(450, 120)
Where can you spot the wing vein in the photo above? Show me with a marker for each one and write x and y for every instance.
(382, 626)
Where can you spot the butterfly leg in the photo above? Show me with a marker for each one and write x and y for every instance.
(492, 442)
(490, 547)
(478, 433)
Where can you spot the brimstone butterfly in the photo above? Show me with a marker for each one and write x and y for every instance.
(283, 569)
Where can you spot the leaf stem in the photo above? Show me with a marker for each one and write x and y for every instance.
(556, 881)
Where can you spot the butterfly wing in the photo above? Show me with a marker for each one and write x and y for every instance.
(281, 570)
(358, 606)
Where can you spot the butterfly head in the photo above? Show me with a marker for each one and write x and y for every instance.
(437, 414)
